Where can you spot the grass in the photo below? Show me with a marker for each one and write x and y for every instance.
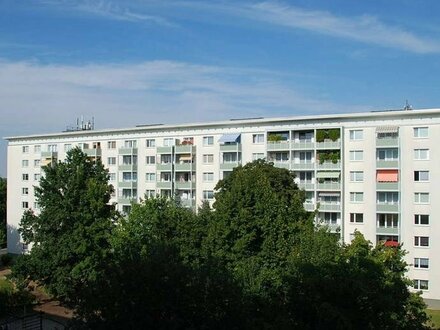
(435, 317)
(6, 286)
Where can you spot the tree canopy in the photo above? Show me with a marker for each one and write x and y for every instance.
(254, 260)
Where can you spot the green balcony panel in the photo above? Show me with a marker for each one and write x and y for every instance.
(128, 151)
(306, 186)
(164, 150)
(186, 185)
(387, 231)
(394, 208)
(282, 164)
(127, 167)
(93, 152)
(387, 163)
(328, 186)
(164, 184)
(184, 149)
(228, 166)
(184, 167)
(302, 145)
(328, 145)
(387, 142)
(282, 145)
(230, 147)
(168, 167)
(387, 186)
(328, 166)
(303, 166)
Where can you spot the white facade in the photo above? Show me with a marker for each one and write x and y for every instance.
(374, 172)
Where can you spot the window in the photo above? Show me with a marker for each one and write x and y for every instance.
(126, 209)
(25, 205)
(37, 176)
(330, 218)
(421, 198)
(231, 157)
(356, 134)
(150, 143)
(129, 193)
(67, 147)
(37, 148)
(129, 176)
(421, 219)
(421, 263)
(25, 149)
(150, 177)
(150, 160)
(387, 154)
(421, 284)
(420, 132)
(208, 140)
(112, 176)
(257, 155)
(37, 163)
(150, 193)
(421, 175)
(111, 160)
(208, 176)
(356, 197)
(356, 217)
(356, 155)
(208, 194)
(129, 160)
(168, 142)
(387, 220)
(24, 163)
(421, 241)
(130, 144)
(387, 198)
(25, 191)
(356, 176)
(111, 145)
(52, 148)
(257, 138)
(208, 159)
(25, 177)
(421, 154)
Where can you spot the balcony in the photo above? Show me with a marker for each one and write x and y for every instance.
(190, 203)
(128, 151)
(184, 149)
(164, 150)
(303, 166)
(279, 145)
(164, 167)
(387, 186)
(164, 184)
(329, 145)
(49, 154)
(302, 145)
(387, 230)
(185, 185)
(230, 147)
(306, 186)
(229, 165)
(323, 207)
(384, 208)
(309, 207)
(329, 166)
(127, 184)
(127, 167)
(126, 200)
(97, 152)
(328, 186)
(387, 163)
(282, 164)
(184, 167)
(387, 142)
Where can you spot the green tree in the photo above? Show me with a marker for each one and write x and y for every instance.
(70, 235)
(3, 195)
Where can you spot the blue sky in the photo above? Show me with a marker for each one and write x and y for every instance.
(138, 61)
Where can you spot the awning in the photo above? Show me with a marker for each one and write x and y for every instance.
(185, 157)
(327, 175)
(329, 194)
(387, 129)
(387, 176)
(230, 138)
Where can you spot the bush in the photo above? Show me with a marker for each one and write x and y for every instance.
(6, 259)
(334, 134)
(320, 135)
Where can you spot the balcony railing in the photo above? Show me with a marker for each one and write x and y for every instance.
(229, 165)
(164, 167)
(387, 230)
(306, 186)
(329, 206)
(278, 145)
(329, 166)
(282, 164)
(329, 145)
(93, 152)
(127, 184)
(164, 150)
(328, 186)
(185, 185)
(387, 142)
(230, 147)
(184, 149)
(380, 163)
(127, 167)
(184, 167)
(387, 186)
(164, 184)
(302, 145)
(310, 207)
(303, 166)
(382, 207)
(128, 151)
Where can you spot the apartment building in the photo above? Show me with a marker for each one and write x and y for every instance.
(373, 172)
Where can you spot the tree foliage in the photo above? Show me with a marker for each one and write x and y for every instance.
(253, 261)
(70, 235)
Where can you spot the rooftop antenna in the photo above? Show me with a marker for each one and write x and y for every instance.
(407, 106)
